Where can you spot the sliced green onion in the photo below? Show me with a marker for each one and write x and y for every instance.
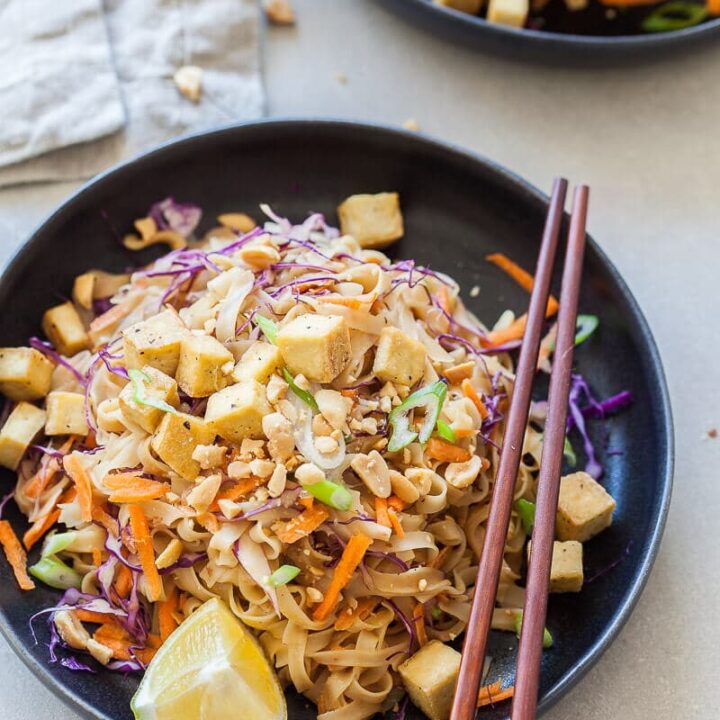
(331, 494)
(304, 395)
(569, 453)
(431, 397)
(547, 637)
(674, 15)
(526, 511)
(446, 432)
(436, 613)
(55, 573)
(139, 379)
(56, 542)
(283, 575)
(269, 328)
(585, 327)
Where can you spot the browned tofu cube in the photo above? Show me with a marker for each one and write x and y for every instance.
(18, 433)
(175, 440)
(155, 342)
(159, 387)
(25, 373)
(318, 346)
(204, 365)
(566, 571)
(399, 358)
(429, 677)
(374, 221)
(258, 362)
(585, 508)
(65, 329)
(65, 414)
(236, 412)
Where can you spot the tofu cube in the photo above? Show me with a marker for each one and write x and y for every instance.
(65, 414)
(429, 677)
(18, 432)
(200, 367)
(508, 12)
(585, 508)
(160, 387)
(399, 358)
(374, 221)
(258, 362)
(175, 440)
(566, 570)
(155, 341)
(236, 412)
(318, 346)
(25, 373)
(83, 288)
(65, 329)
(466, 6)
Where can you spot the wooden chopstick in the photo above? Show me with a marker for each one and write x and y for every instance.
(476, 635)
(527, 675)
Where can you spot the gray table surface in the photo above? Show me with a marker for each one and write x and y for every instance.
(646, 139)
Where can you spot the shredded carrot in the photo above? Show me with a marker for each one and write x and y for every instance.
(208, 521)
(39, 528)
(396, 503)
(108, 319)
(446, 452)
(522, 277)
(90, 441)
(443, 297)
(92, 616)
(130, 488)
(83, 483)
(439, 559)
(113, 636)
(546, 346)
(352, 556)
(514, 331)
(306, 501)
(458, 373)
(349, 393)
(381, 512)
(42, 478)
(166, 615)
(356, 302)
(491, 694)
(302, 525)
(471, 392)
(97, 557)
(236, 492)
(713, 7)
(15, 555)
(143, 545)
(102, 517)
(462, 433)
(419, 622)
(395, 522)
(123, 581)
(348, 616)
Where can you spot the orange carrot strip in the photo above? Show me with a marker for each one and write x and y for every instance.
(443, 297)
(446, 452)
(350, 393)
(352, 556)
(237, 491)
(713, 7)
(97, 557)
(123, 581)
(363, 608)
(166, 615)
(458, 373)
(306, 501)
(419, 622)
(462, 433)
(101, 516)
(522, 277)
(92, 616)
(43, 477)
(105, 321)
(39, 528)
(470, 392)
(129, 488)
(83, 483)
(395, 522)
(491, 694)
(356, 302)
(381, 512)
(514, 331)
(15, 555)
(396, 503)
(146, 553)
(302, 525)
(439, 559)
(111, 635)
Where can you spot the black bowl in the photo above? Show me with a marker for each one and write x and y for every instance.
(587, 36)
(457, 207)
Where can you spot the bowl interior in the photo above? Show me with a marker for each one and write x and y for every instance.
(457, 209)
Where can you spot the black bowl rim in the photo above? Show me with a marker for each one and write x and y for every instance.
(584, 663)
(566, 41)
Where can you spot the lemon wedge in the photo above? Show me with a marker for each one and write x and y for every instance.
(210, 668)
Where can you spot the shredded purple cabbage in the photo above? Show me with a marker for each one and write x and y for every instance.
(169, 214)
(49, 351)
(300, 281)
(402, 709)
(404, 567)
(72, 663)
(101, 305)
(52, 452)
(5, 501)
(612, 565)
(185, 561)
(403, 618)
(118, 370)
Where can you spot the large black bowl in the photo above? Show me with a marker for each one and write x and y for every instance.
(457, 207)
(587, 36)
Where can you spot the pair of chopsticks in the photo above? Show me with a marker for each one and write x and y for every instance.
(486, 584)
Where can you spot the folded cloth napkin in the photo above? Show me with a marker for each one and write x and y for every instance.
(91, 81)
